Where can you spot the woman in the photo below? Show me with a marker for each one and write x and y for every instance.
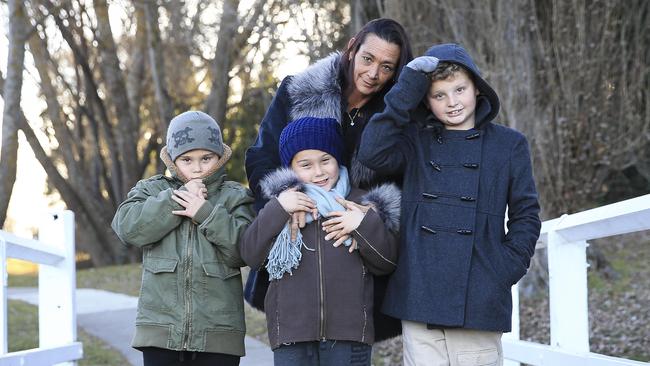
(350, 88)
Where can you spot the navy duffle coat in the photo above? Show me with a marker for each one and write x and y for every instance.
(456, 264)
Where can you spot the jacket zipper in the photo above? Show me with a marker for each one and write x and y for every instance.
(320, 279)
(373, 248)
(187, 289)
(363, 301)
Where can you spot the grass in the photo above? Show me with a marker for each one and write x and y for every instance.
(123, 279)
(23, 318)
(23, 335)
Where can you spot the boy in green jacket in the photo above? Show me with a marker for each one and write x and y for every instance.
(191, 304)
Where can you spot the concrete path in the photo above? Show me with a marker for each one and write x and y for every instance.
(110, 317)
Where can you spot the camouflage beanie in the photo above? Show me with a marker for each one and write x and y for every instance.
(193, 130)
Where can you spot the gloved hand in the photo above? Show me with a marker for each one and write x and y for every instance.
(424, 64)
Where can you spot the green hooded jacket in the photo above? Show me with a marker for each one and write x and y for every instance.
(191, 296)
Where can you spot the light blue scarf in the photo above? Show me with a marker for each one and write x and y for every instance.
(285, 254)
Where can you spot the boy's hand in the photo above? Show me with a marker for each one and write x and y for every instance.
(292, 201)
(197, 187)
(299, 220)
(424, 64)
(190, 201)
(297, 204)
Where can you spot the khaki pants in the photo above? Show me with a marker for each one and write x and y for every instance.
(450, 347)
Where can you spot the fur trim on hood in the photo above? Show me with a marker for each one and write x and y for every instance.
(279, 181)
(316, 92)
(384, 199)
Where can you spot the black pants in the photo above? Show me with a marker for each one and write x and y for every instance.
(154, 356)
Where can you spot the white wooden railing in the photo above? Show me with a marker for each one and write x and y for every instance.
(57, 322)
(566, 241)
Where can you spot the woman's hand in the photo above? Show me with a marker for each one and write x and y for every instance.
(342, 223)
(349, 205)
(191, 203)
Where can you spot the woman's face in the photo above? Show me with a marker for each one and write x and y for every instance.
(374, 64)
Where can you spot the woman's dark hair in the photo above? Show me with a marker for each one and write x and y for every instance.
(386, 29)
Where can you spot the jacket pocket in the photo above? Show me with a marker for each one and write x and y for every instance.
(220, 270)
(222, 288)
(159, 283)
(512, 270)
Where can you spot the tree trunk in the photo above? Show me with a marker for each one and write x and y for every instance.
(12, 92)
(157, 67)
(136, 69)
(112, 74)
(216, 103)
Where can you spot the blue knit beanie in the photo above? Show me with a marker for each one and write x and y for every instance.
(308, 133)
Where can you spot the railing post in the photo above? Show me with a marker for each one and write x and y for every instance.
(56, 284)
(567, 268)
(4, 324)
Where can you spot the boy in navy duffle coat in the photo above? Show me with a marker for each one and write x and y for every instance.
(461, 172)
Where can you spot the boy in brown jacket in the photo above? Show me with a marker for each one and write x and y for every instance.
(319, 304)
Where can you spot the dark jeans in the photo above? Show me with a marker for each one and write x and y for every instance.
(327, 353)
(154, 356)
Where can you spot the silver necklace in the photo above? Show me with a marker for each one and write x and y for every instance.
(353, 117)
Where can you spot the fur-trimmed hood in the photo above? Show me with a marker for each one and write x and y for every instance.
(316, 91)
(384, 199)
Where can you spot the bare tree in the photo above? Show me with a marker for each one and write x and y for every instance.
(18, 31)
(156, 61)
(571, 75)
(362, 11)
(324, 26)
(110, 95)
(222, 61)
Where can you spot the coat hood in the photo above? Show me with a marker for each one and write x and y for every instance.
(487, 102)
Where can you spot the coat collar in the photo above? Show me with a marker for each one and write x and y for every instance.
(316, 92)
